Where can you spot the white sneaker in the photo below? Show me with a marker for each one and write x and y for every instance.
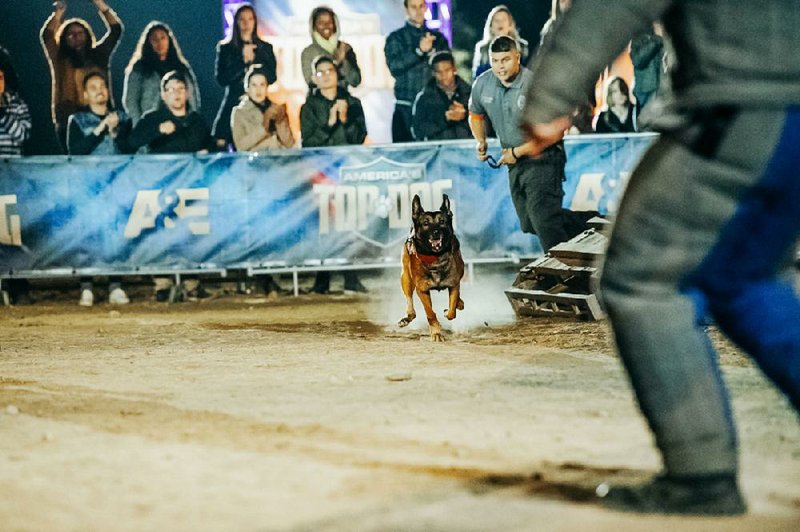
(87, 298)
(118, 297)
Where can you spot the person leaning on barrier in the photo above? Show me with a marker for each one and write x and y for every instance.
(332, 117)
(706, 226)
(257, 123)
(325, 33)
(98, 129)
(535, 183)
(407, 51)
(15, 128)
(73, 51)
(156, 53)
(440, 109)
(173, 127)
(234, 56)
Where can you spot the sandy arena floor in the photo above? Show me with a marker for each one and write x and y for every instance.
(243, 413)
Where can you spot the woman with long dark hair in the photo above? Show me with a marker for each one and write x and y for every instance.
(620, 114)
(156, 53)
(234, 56)
(73, 51)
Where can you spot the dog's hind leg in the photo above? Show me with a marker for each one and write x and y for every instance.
(408, 290)
(455, 302)
(433, 322)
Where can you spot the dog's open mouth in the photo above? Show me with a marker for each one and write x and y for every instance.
(436, 244)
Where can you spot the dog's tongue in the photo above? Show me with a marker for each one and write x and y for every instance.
(436, 244)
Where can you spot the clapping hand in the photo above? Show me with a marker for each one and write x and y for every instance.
(167, 127)
(456, 112)
(426, 42)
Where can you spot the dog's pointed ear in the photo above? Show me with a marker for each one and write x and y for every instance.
(445, 208)
(416, 207)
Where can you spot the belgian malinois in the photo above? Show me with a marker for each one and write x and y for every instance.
(431, 261)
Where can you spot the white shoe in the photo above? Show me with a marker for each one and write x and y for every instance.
(118, 297)
(87, 298)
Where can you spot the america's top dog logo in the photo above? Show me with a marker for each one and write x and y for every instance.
(431, 261)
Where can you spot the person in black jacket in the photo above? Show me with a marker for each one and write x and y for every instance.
(173, 127)
(407, 51)
(440, 109)
(234, 55)
(331, 117)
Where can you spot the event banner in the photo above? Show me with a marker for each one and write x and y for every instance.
(351, 203)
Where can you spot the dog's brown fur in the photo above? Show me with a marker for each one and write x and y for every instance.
(431, 261)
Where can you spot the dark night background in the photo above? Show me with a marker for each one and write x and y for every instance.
(198, 26)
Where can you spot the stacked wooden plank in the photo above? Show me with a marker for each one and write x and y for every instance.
(563, 282)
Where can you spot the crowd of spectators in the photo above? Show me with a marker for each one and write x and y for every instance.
(161, 98)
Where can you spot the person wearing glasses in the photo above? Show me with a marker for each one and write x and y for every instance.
(498, 96)
(173, 127)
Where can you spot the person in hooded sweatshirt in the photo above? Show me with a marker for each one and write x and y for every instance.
(324, 28)
(73, 51)
(332, 117)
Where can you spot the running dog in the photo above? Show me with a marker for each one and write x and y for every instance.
(431, 261)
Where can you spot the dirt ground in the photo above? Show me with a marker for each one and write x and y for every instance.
(240, 412)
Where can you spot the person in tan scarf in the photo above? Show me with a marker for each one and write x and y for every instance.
(324, 28)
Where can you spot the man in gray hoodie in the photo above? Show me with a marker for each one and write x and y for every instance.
(707, 223)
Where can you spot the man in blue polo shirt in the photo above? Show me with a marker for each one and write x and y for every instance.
(536, 183)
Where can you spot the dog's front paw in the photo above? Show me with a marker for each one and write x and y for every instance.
(451, 314)
(460, 305)
(405, 321)
(437, 337)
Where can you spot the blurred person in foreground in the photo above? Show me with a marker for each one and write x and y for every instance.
(98, 129)
(706, 226)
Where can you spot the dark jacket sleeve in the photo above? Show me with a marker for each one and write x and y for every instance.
(77, 142)
(349, 69)
(110, 40)
(314, 125)
(123, 136)
(644, 49)
(146, 131)
(570, 59)
(355, 129)
(265, 55)
(229, 67)
(428, 118)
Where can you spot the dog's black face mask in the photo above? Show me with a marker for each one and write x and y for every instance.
(433, 230)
